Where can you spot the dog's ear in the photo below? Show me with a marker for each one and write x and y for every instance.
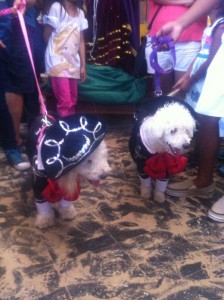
(151, 133)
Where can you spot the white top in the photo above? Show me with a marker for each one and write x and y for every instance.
(62, 53)
(207, 95)
(193, 94)
(211, 101)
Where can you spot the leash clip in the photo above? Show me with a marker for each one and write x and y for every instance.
(158, 93)
(157, 43)
(45, 121)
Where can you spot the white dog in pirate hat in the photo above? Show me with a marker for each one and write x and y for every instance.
(70, 149)
(163, 129)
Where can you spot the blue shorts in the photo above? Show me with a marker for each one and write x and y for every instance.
(19, 76)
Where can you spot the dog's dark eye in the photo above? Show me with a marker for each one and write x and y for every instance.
(173, 131)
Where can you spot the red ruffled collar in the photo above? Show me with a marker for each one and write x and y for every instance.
(53, 193)
(162, 165)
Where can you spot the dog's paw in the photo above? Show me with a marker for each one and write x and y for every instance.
(45, 220)
(159, 196)
(145, 192)
(67, 213)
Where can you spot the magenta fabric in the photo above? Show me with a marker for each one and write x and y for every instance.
(66, 93)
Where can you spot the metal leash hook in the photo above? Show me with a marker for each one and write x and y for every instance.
(158, 92)
(45, 120)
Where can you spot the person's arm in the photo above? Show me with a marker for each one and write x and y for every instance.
(175, 2)
(2, 45)
(198, 9)
(216, 43)
(185, 83)
(19, 4)
(82, 53)
(30, 3)
(47, 31)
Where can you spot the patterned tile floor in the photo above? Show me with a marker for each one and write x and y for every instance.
(118, 247)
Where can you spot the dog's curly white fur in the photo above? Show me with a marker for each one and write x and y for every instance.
(93, 168)
(169, 130)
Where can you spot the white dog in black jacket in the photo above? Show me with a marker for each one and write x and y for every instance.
(163, 129)
(68, 150)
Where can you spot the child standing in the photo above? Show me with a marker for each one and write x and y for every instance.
(210, 108)
(193, 80)
(65, 61)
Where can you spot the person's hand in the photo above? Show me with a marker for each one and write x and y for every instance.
(82, 74)
(172, 29)
(19, 5)
(183, 84)
(2, 45)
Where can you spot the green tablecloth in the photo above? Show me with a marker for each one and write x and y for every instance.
(108, 85)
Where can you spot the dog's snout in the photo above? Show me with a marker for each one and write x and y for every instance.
(103, 176)
(186, 146)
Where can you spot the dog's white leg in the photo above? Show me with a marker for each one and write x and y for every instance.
(45, 215)
(159, 191)
(145, 187)
(66, 210)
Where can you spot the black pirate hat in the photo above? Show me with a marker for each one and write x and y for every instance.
(68, 141)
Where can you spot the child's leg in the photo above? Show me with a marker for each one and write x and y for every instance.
(61, 90)
(207, 144)
(74, 94)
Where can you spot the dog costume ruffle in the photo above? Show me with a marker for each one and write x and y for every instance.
(53, 193)
(162, 165)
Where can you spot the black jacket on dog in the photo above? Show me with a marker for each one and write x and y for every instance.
(62, 145)
(137, 150)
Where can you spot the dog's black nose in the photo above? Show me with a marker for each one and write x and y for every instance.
(103, 176)
(186, 146)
